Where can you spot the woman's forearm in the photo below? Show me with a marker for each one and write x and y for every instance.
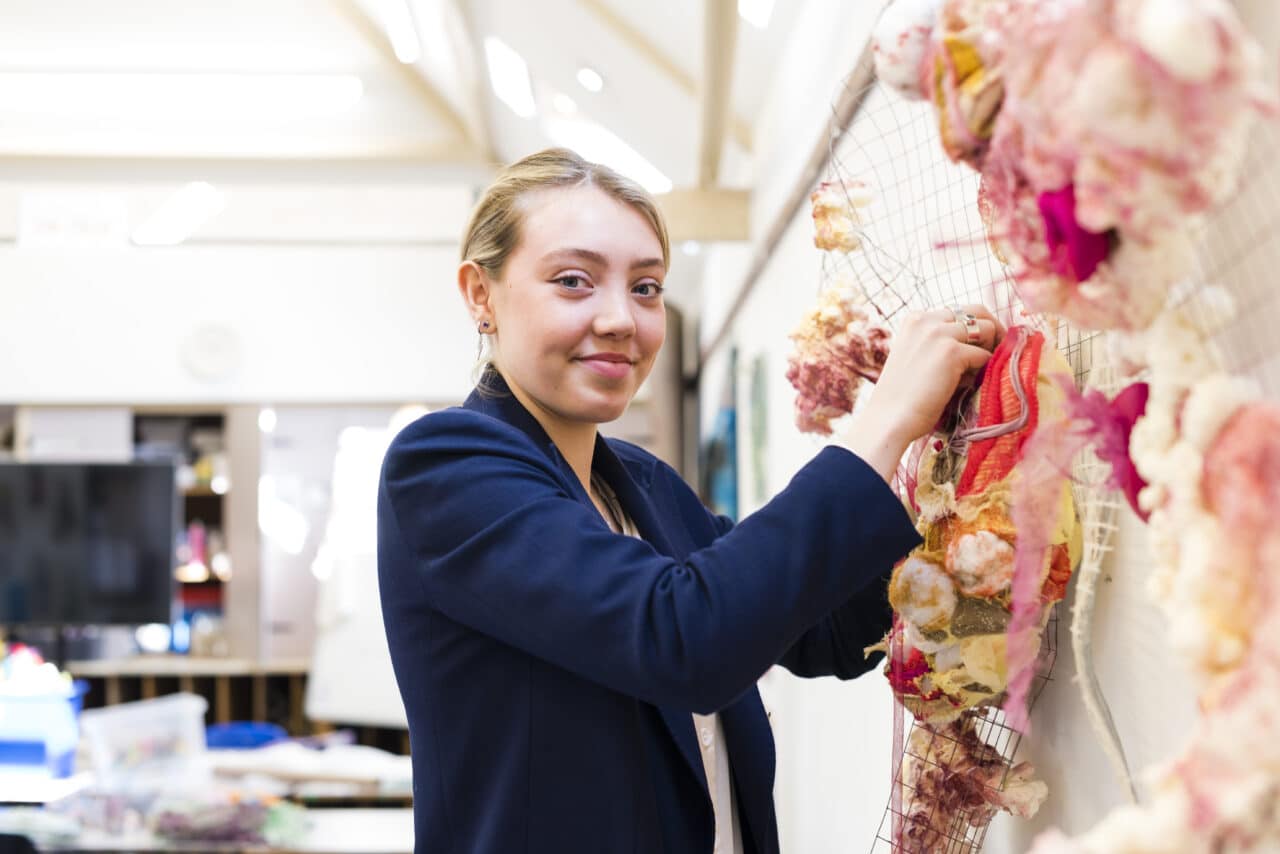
(877, 436)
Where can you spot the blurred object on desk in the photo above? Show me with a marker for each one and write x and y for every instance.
(368, 771)
(39, 707)
(148, 744)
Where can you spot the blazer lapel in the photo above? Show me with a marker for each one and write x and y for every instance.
(499, 402)
(632, 487)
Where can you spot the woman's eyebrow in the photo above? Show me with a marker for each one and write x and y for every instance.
(645, 263)
(576, 254)
(598, 258)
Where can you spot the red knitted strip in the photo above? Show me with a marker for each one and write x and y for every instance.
(991, 460)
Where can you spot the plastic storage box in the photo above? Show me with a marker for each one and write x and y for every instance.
(150, 742)
(38, 732)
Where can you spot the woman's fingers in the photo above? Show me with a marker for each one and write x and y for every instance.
(987, 333)
(985, 316)
(969, 324)
(973, 357)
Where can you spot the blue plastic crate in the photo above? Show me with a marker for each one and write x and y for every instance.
(243, 735)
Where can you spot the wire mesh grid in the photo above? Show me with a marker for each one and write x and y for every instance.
(1099, 506)
(924, 246)
(1239, 254)
(953, 775)
(923, 241)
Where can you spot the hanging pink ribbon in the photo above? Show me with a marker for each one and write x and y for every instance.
(1042, 471)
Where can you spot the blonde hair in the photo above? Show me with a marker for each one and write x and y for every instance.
(495, 228)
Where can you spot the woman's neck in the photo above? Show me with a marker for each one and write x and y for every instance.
(576, 443)
(576, 440)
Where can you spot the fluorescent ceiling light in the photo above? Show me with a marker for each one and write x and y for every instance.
(691, 247)
(509, 75)
(180, 215)
(590, 79)
(193, 96)
(397, 17)
(601, 145)
(756, 12)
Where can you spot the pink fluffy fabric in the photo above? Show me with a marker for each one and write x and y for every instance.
(1101, 156)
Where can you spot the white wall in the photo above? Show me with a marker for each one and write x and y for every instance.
(304, 324)
(832, 737)
(1148, 688)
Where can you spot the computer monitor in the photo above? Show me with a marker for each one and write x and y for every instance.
(87, 544)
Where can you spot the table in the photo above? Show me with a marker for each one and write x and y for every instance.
(332, 831)
(38, 789)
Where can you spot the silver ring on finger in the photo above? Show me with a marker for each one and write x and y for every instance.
(969, 323)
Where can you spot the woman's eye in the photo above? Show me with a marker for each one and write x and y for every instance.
(570, 281)
(648, 289)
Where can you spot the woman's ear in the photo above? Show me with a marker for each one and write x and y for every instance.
(477, 293)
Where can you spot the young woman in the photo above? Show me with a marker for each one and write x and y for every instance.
(575, 637)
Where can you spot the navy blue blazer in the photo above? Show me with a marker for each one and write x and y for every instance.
(549, 667)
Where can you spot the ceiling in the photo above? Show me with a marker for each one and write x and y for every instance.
(312, 129)
(130, 80)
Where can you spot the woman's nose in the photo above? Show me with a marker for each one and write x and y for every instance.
(613, 316)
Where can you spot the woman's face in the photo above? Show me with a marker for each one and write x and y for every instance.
(578, 313)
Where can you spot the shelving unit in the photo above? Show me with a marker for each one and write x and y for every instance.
(252, 675)
(195, 440)
(236, 690)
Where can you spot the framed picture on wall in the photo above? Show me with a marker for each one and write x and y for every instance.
(719, 481)
(758, 436)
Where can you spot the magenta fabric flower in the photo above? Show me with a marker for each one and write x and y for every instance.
(1074, 251)
(1108, 424)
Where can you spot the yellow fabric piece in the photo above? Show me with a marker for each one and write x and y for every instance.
(984, 658)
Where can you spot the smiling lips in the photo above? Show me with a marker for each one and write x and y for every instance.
(611, 365)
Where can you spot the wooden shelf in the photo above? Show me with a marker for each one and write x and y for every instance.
(203, 492)
(178, 665)
(235, 688)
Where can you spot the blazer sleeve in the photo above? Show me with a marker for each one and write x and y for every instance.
(834, 646)
(477, 514)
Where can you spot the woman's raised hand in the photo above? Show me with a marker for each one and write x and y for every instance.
(932, 352)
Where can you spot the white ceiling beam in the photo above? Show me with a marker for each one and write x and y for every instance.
(642, 45)
(719, 32)
(466, 51)
(706, 214)
(427, 93)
